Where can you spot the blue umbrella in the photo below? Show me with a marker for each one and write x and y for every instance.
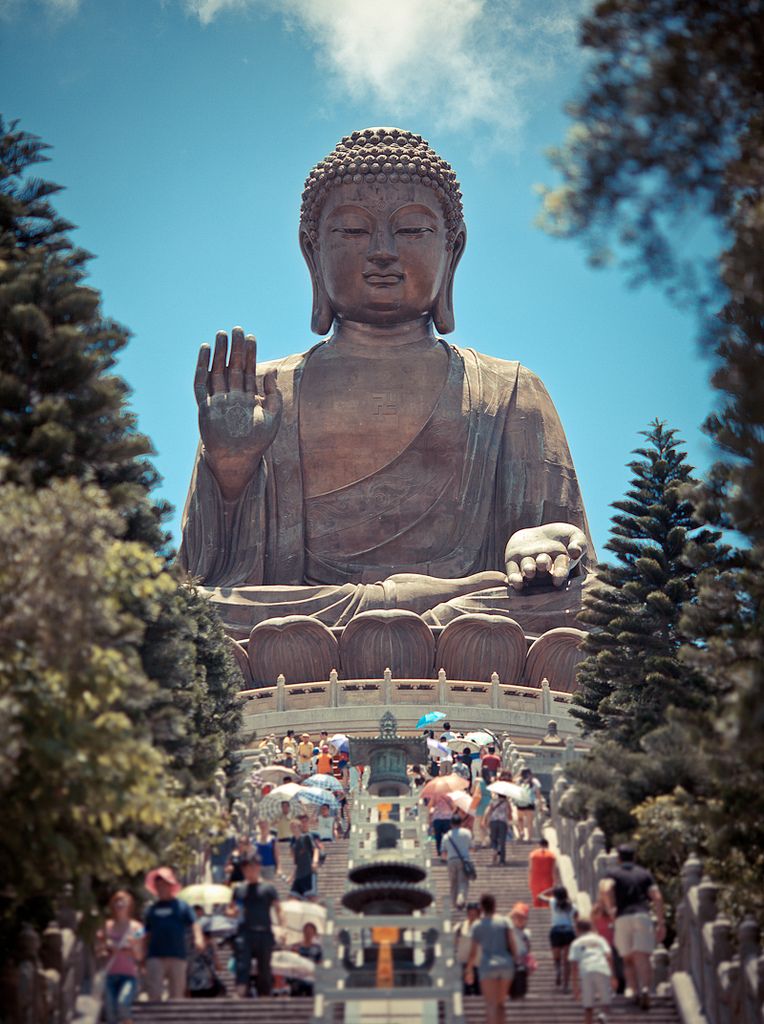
(430, 719)
(340, 742)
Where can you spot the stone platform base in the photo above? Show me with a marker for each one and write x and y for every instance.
(473, 647)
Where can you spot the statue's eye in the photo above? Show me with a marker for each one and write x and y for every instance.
(352, 231)
(413, 231)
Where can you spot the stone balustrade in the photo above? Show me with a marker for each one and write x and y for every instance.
(715, 971)
(355, 705)
(50, 977)
(718, 969)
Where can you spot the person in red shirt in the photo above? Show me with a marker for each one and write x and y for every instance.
(491, 760)
(542, 871)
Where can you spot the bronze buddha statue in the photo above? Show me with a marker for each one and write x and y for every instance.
(384, 467)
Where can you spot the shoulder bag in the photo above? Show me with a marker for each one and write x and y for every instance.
(470, 871)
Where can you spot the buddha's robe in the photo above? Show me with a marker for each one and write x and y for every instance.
(491, 459)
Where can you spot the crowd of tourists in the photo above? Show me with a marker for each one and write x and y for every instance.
(471, 801)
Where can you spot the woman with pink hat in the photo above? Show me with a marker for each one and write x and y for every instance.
(166, 924)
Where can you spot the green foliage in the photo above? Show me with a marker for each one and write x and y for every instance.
(668, 129)
(118, 698)
(668, 829)
(632, 673)
(195, 715)
(80, 780)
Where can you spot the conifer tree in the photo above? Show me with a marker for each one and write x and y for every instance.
(195, 714)
(632, 672)
(63, 414)
(117, 695)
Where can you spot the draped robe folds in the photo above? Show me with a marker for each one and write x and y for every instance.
(491, 459)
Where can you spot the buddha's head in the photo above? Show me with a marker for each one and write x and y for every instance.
(382, 232)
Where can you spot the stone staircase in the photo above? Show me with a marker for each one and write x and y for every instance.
(544, 1004)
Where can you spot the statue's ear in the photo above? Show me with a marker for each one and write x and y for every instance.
(443, 307)
(322, 316)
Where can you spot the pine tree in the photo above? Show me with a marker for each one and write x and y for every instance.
(63, 414)
(632, 673)
(195, 715)
(118, 699)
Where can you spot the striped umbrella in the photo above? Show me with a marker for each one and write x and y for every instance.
(317, 797)
(269, 807)
(324, 782)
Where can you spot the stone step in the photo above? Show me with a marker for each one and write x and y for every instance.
(534, 1009)
(544, 1004)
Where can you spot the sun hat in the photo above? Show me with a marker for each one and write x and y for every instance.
(167, 875)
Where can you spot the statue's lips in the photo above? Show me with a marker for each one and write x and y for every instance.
(386, 280)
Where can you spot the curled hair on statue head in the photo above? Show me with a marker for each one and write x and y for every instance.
(380, 155)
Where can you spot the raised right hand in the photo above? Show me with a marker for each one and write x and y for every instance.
(237, 425)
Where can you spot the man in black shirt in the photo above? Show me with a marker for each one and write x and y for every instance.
(254, 899)
(305, 850)
(629, 893)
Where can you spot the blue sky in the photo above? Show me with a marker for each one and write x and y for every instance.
(183, 130)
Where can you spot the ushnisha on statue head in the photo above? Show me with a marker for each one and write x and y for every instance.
(365, 168)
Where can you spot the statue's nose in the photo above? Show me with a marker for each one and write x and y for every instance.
(382, 250)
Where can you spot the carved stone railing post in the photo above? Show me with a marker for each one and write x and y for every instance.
(334, 690)
(583, 830)
(387, 687)
(751, 978)
(442, 687)
(546, 698)
(495, 691)
(704, 966)
(660, 959)
(281, 693)
(597, 849)
(720, 942)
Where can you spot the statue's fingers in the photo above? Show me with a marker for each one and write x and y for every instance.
(217, 377)
(201, 375)
(543, 563)
(250, 364)
(236, 361)
(578, 544)
(560, 570)
(273, 401)
(528, 567)
(514, 576)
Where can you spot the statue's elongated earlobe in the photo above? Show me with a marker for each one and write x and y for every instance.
(443, 307)
(322, 315)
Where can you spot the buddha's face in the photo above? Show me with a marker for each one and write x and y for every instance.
(382, 251)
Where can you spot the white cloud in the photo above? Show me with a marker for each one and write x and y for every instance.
(472, 64)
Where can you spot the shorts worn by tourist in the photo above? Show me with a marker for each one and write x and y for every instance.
(305, 886)
(634, 933)
(595, 988)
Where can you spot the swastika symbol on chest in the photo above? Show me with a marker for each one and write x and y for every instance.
(385, 404)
